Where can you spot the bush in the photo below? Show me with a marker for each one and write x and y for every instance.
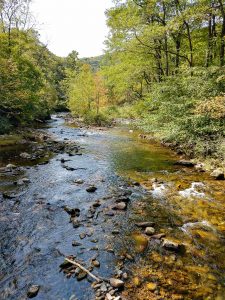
(5, 125)
(97, 119)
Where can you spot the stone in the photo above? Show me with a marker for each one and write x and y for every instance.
(76, 244)
(91, 189)
(120, 206)
(26, 180)
(33, 291)
(82, 236)
(184, 163)
(73, 212)
(25, 155)
(145, 224)
(79, 181)
(96, 204)
(116, 283)
(96, 263)
(125, 276)
(200, 167)
(103, 288)
(81, 275)
(159, 236)
(110, 213)
(151, 286)
(149, 230)
(11, 166)
(218, 174)
(173, 246)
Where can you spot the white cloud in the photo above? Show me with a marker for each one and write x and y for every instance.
(72, 25)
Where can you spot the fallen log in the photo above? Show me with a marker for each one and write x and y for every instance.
(84, 269)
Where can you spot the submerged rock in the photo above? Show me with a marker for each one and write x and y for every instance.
(33, 291)
(91, 189)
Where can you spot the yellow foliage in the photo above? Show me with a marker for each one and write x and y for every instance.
(213, 108)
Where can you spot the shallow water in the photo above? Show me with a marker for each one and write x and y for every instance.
(36, 233)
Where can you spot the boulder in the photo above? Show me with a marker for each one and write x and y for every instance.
(217, 174)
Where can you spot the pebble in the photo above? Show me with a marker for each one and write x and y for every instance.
(91, 189)
(76, 244)
(81, 275)
(33, 291)
(150, 230)
(82, 236)
(120, 206)
(96, 263)
(173, 246)
(116, 283)
(79, 181)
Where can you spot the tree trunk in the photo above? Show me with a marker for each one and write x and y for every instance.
(222, 35)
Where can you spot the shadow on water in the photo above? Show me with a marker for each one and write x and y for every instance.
(36, 232)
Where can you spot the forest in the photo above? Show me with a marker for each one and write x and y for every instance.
(163, 68)
(112, 167)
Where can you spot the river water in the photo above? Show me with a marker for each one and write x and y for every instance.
(36, 232)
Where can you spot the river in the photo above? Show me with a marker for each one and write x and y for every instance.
(187, 206)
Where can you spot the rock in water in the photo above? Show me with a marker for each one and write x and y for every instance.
(116, 283)
(79, 181)
(25, 155)
(184, 163)
(33, 291)
(10, 166)
(120, 206)
(173, 246)
(145, 224)
(218, 174)
(150, 230)
(91, 189)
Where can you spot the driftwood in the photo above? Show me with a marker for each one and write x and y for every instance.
(84, 269)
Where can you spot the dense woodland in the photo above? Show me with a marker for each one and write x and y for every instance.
(164, 67)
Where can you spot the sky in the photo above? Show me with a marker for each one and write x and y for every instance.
(66, 25)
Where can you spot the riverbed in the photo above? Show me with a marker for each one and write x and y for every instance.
(187, 208)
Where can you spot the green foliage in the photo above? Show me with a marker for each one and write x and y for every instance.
(97, 119)
(164, 67)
